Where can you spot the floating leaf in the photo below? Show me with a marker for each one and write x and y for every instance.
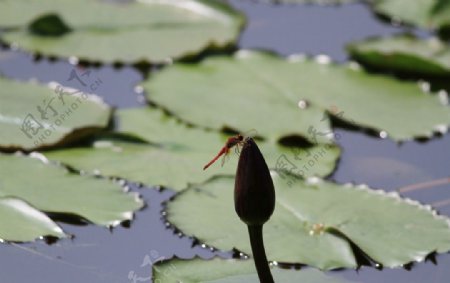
(254, 88)
(35, 116)
(231, 94)
(229, 271)
(176, 154)
(315, 223)
(404, 54)
(430, 14)
(52, 189)
(133, 31)
(21, 222)
(153, 126)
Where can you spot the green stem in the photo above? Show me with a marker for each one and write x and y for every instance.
(259, 253)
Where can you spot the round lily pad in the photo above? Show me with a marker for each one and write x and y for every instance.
(318, 223)
(404, 54)
(293, 97)
(124, 31)
(50, 188)
(36, 116)
(230, 271)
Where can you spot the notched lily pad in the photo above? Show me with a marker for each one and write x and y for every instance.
(21, 222)
(404, 54)
(53, 189)
(289, 97)
(172, 154)
(318, 223)
(230, 271)
(36, 116)
(124, 31)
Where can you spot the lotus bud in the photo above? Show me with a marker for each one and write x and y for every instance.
(254, 193)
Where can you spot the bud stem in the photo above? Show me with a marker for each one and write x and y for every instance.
(259, 254)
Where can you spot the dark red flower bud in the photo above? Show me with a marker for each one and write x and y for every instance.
(254, 193)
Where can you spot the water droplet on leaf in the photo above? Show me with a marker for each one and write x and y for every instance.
(323, 59)
(443, 97)
(303, 104)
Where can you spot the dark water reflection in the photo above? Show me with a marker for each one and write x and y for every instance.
(99, 255)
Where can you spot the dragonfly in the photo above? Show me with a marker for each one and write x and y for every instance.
(234, 141)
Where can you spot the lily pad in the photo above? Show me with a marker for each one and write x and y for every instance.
(429, 14)
(316, 223)
(254, 88)
(21, 222)
(35, 116)
(154, 126)
(404, 54)
(53, 189)
(230, 271)
(127, 31)
(173, 154)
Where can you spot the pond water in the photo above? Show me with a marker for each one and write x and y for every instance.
(99, 255)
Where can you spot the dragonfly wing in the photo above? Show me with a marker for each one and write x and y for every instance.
(225, 158)
(237, 149)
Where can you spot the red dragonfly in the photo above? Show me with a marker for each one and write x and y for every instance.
(237, 140)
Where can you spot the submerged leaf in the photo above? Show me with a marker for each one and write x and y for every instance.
(20, 222)
(175, 154)
(50, 188)
(406, 54)
(126, 31)
(316, 223)
(230, 271)
(35, 116)
(291, 97)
